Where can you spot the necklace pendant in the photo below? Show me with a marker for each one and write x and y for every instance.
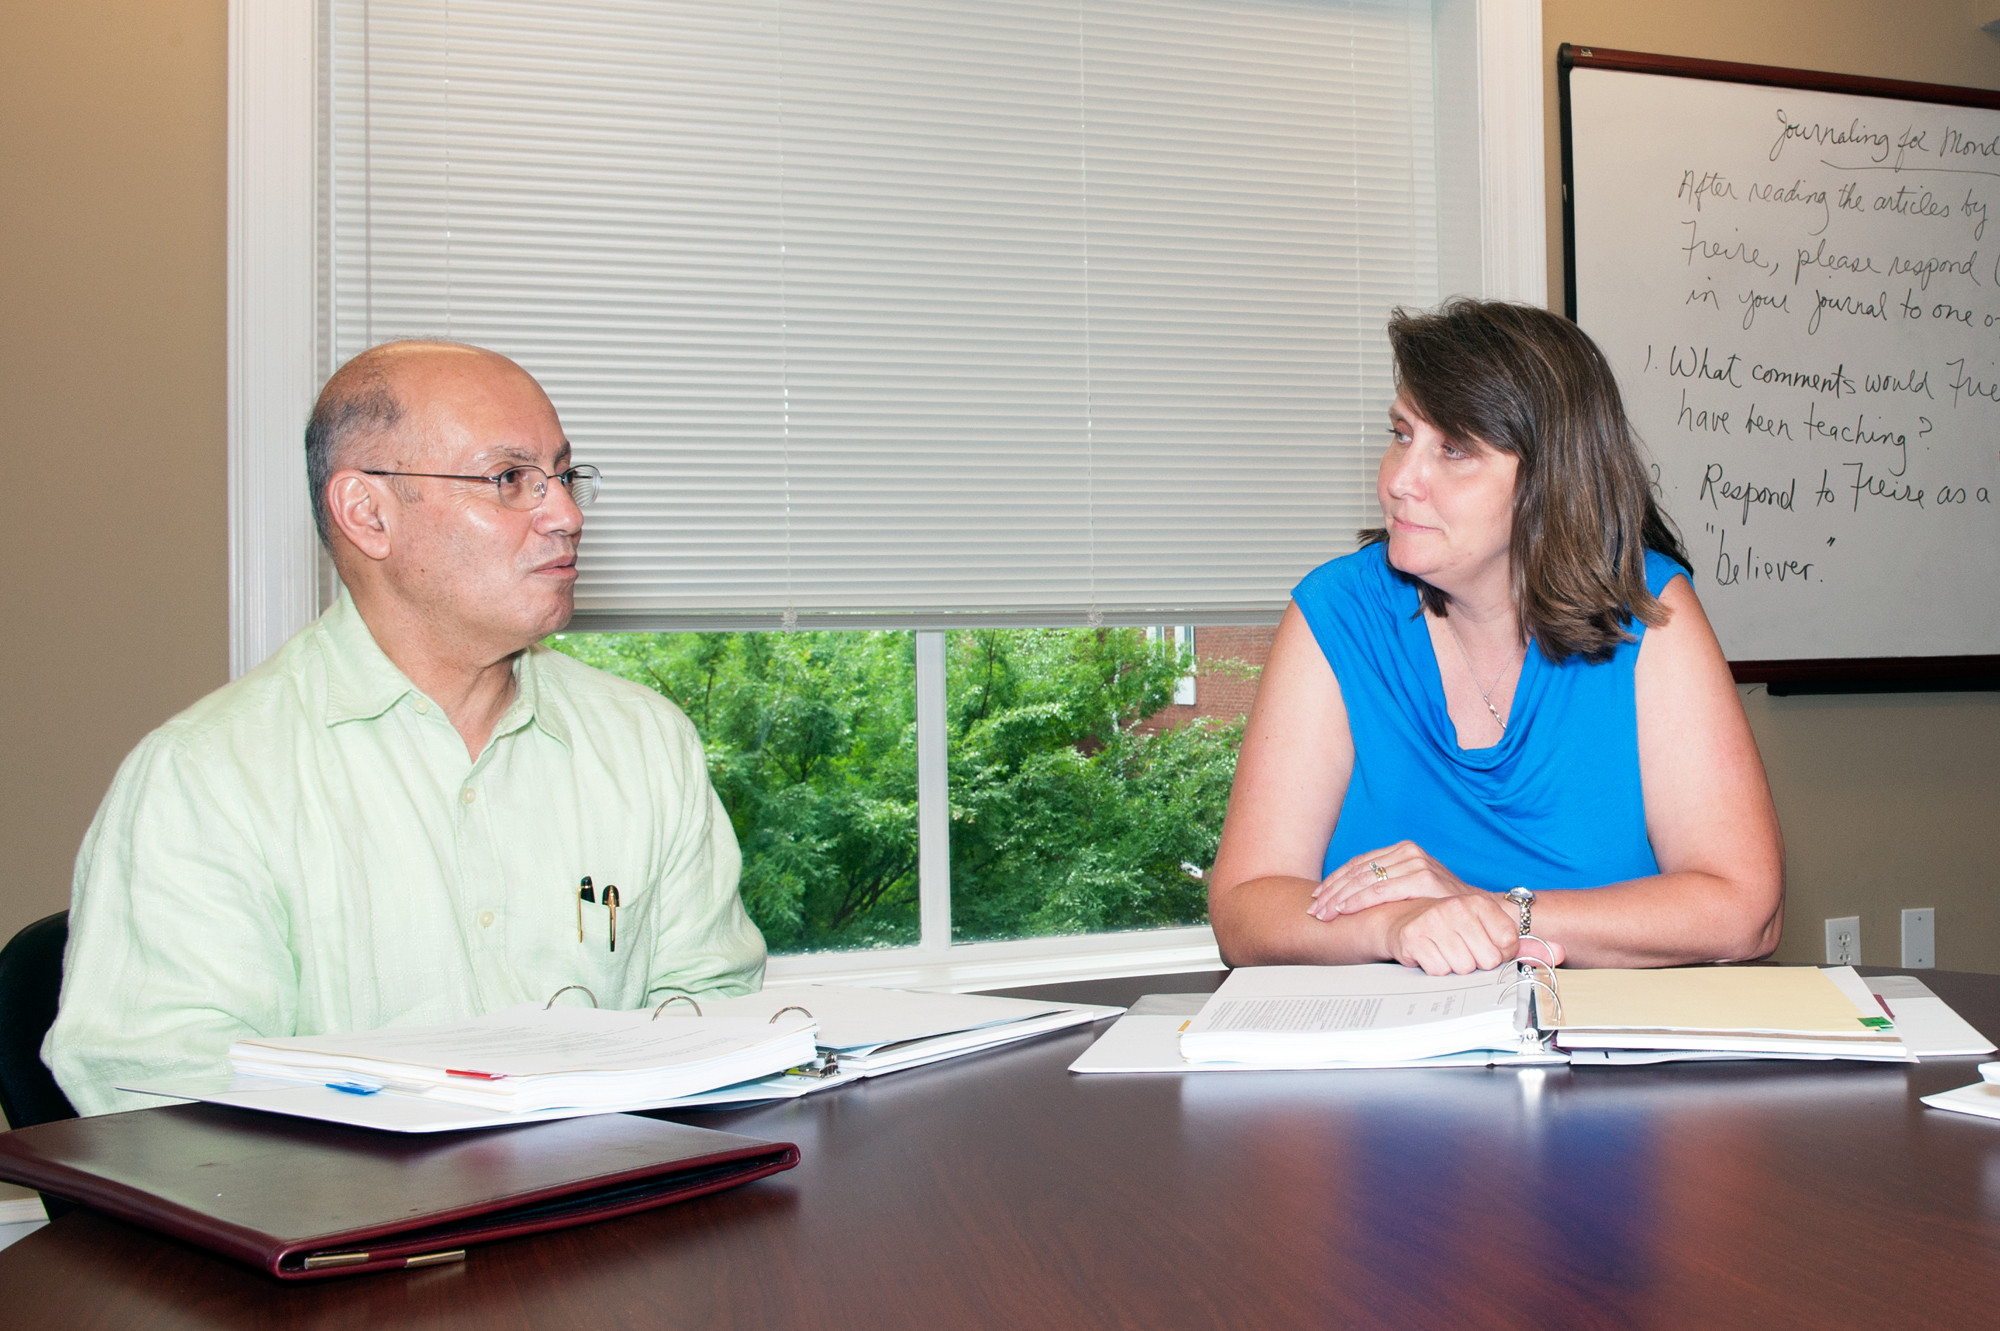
(1485, 690)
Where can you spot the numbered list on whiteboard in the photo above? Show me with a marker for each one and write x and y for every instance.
(1800, 294)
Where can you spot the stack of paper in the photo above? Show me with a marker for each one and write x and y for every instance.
(872, 1031)
(1632, 1016)
(529, 1058)
(523, 1064)
(1323, 1016)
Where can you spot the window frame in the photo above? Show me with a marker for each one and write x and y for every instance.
(276, 572)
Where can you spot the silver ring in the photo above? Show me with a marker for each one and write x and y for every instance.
(676, 998)
(1381, 874)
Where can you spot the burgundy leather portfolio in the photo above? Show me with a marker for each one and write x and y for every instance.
(303, 1199)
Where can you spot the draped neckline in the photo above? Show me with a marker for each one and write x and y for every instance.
(1421, 660)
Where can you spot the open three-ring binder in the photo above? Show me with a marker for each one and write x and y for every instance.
(553, 1060)
(866, 1032)
(524, 1064)
(1389, 1016)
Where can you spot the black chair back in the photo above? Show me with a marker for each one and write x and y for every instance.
(30, 981)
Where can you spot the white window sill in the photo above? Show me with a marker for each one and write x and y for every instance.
(968, 966)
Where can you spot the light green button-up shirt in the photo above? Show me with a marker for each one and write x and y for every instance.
(310, 849)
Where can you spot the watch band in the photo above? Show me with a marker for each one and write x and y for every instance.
(1524, 901)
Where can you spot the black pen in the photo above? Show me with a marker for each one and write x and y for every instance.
(583, 894)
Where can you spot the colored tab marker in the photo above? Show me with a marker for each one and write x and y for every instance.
(482, 1076)
(1878, 1023)
(353, 1087)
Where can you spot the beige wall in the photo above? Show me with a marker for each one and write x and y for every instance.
(111, 404)
(1887, 802)
(111, 371)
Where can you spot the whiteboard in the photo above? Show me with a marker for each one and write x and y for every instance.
(1799, 291)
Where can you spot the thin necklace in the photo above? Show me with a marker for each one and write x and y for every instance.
(1486, 693)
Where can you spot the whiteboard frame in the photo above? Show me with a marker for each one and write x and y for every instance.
(1854, 674)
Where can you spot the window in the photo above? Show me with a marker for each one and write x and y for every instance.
(811, 746)
(944, 318)
(1082, 797)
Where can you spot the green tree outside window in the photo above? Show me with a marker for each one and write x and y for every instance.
(1066, 816)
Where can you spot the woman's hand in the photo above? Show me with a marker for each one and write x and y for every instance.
(1456, 935)
(1430, 917)
(1393, 873)
(1453, 935)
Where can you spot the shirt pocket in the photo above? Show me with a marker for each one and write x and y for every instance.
(616, 975)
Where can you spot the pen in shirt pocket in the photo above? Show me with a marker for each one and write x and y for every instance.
(585, 892)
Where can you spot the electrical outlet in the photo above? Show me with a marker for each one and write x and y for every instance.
(1843, 941)
(1920, 938)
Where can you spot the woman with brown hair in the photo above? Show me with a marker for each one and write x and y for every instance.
(1506, 711)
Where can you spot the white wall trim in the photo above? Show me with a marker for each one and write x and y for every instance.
(1512, 148)
(933, 796)
(969, 966)
(271, 235)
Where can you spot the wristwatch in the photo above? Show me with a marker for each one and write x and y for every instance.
(1524, 901)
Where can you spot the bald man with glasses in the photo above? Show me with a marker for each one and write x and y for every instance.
(392, 820)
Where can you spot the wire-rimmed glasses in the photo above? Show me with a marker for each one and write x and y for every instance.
(523, 487)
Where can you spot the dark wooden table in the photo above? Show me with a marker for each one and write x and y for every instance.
(1000, 1191)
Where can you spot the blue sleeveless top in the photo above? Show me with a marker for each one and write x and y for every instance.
(1556, 803)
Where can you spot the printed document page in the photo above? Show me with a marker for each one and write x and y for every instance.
(1353, 1013)
(1349, 998)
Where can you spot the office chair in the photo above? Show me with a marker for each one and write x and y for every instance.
(30, 980)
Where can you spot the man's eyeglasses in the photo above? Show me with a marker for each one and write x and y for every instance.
(524, 488)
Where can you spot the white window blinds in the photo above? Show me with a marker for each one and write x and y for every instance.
(917, 313)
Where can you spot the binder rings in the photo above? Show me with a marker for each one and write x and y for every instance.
(303, 1200)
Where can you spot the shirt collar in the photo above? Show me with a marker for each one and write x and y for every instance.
(362, 683)
(530, 704)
